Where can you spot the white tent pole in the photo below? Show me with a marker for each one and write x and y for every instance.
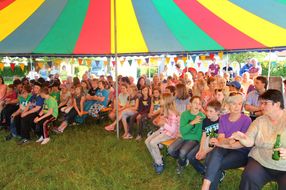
(116, 70)
(149, 69)
(227, 64)
(269, 69)
(187, 63)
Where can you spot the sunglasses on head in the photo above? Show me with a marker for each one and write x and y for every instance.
(235, 93)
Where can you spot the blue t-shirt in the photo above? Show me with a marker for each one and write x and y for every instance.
(36, 100)
(44, 73)
(102, 93)
(244, 69)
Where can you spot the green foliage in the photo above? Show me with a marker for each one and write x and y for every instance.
(145, 70)
(8, 73)
(277, 69)
(88, 157)
(76, 71)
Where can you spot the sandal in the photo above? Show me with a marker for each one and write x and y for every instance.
(109, 128)
(127, 137)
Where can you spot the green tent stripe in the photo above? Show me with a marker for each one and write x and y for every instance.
(282, 1)
(64, 34)
(186, 31)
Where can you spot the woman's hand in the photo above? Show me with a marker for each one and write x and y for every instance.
(238, 136)
(282, 153)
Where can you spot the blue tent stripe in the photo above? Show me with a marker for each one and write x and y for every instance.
(270, 10)
(156, 33)
(26, 38)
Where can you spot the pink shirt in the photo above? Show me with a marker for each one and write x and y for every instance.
(3, 89)
(171, 127)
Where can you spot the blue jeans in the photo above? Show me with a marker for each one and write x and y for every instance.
(180, 148)
(199, 167)
(255, 176)
(222, 159)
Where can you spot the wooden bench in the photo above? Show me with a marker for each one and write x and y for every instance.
(166, 145)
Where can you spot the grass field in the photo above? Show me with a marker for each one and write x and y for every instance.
(87, 157)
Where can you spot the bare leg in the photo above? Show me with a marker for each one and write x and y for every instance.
(206, 184)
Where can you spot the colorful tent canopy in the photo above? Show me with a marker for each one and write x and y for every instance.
(143, 26)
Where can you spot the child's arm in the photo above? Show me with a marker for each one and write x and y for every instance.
(16, 113)
(151, 111)
(186, 125)
(201, 154)
(64, 102)
(50, 112)
(135, 107)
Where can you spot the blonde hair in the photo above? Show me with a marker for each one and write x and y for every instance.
(169, 104)
(234, 98)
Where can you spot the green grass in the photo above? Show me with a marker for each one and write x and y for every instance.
(87, 157)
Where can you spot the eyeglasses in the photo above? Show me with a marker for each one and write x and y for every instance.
(218, 90)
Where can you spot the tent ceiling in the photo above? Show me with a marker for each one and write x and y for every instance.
(143, 26)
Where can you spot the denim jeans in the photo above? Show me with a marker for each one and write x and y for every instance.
(222, 159)
(255, 176)
(180, 148)
(199, 167)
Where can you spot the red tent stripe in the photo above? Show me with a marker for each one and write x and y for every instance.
(5, 3)
(95, 35)
(216, 27)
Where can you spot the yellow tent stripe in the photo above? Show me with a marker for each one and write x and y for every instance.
(15, 14)
(255, 27)
(129, 35)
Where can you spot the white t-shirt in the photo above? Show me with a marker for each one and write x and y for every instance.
(264, 134)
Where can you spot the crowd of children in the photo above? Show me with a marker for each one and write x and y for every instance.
(200, 113)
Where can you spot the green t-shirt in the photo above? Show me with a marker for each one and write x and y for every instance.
(56, 95)
(188, 131)
(64, 75)
(51, 103)
(23, 102)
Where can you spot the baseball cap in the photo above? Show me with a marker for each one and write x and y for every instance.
(235, 84)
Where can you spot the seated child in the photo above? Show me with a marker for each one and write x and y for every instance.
(15, 125)
(191, 131)
(143, 110)
(168, 130)
(70, 116)
(48, 114)
(210, 130)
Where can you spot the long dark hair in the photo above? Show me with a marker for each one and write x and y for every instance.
(139, 87)
(1, 77)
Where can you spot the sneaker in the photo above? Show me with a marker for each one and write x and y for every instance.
(149, 133)
(23, 141)
(9, 137)
(179, 169)
(160, 146)
(56, 130)
(138, 138)
(159, 168)
(222, 176)
(128, 137)
(45, 141)
(40, 139)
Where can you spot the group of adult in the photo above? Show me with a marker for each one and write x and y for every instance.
(188, 109)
